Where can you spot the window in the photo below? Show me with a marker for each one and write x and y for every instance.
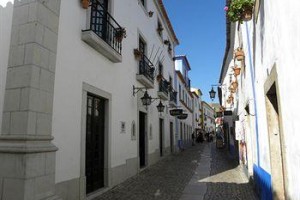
(103, 32)
(159, 28)
(179, 92)
(160, 68)
(142, 46)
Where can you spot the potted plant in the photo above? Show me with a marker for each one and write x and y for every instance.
(120, 34)
(239, 54)
(160, 29)
(240, 10)
(159, 77)
(137, 54)
(236, 70)
(85, 3)
(234, 85)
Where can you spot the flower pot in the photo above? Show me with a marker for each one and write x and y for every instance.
(237, 71)
(232, 89)
(247, 14)
(234, 85)
(137, 54)
(85, 4)
(120, 34)
(239, 54)
(159, 77)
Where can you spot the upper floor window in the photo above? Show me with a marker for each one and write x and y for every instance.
(142, 46)
(159, 28)
(160, 68)
(109, 32)
(179, 88)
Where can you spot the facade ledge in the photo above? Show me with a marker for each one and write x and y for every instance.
(101, 46)
(145, 81)
(162, 95)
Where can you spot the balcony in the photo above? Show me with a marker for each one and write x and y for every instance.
(173, 98)
(102, 32)
(163, 91)
(146, 72)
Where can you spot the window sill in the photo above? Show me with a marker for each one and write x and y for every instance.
(101, 46)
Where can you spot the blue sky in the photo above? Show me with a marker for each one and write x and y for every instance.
(200, 27)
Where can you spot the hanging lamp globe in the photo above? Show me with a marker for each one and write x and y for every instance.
(146, 99)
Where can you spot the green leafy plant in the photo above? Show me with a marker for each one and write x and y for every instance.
(237, 8)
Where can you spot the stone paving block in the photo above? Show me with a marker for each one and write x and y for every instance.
(21, 13)
(12, 100)
(50, 40)
(36, 54)
(31, 32)
(47, 18)
(24, 76)
(5, 123)
(44, 124)
(47, 80)
(10, 186)
(191, 197)
(16, 57)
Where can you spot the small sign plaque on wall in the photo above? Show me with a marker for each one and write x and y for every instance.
(123, 127)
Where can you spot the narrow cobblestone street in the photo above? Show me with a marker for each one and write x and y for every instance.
(201, 172)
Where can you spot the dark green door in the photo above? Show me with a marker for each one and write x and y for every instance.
(95, 122)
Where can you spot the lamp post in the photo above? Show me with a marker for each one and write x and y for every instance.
(212, 93)
(160, 107)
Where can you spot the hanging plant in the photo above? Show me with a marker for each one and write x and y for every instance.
(239, 54)
(159, 77)
(137, 54)
(120, 34)
(239, 10)
(234, 85)
(85, 3)
(236, 70)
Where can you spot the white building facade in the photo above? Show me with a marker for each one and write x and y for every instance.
(185, 99)
(70, 95)
(264, 106)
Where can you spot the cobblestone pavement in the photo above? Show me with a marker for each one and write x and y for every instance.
(201, 172)
(227, 181)
(164, 180)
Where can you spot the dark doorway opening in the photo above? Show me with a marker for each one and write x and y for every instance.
(161, 126)
(95, 136)
(171, 138)
(142, 139)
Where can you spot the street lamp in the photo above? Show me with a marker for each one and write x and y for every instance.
(212, 93)
(160, 107)
(146, 99)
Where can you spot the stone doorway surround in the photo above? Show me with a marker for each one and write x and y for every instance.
(275, 135)
(27, 156)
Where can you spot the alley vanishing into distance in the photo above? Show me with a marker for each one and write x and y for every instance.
(200, 172)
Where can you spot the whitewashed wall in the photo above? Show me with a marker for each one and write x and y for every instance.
(280, 26)
(77, 62)
(6, 11)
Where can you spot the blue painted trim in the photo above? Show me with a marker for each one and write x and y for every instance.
(263, 183)
(254, 95)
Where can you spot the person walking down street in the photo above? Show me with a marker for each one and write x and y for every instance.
(193, 138)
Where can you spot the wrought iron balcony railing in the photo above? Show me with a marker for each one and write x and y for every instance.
(105, 26)
(146, 68)
(173, 96)
(164, 86)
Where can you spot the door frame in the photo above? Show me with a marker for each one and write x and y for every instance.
(146, 139)
(86, 88)
(272, 81)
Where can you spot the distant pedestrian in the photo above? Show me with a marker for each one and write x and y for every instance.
(193, 138)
